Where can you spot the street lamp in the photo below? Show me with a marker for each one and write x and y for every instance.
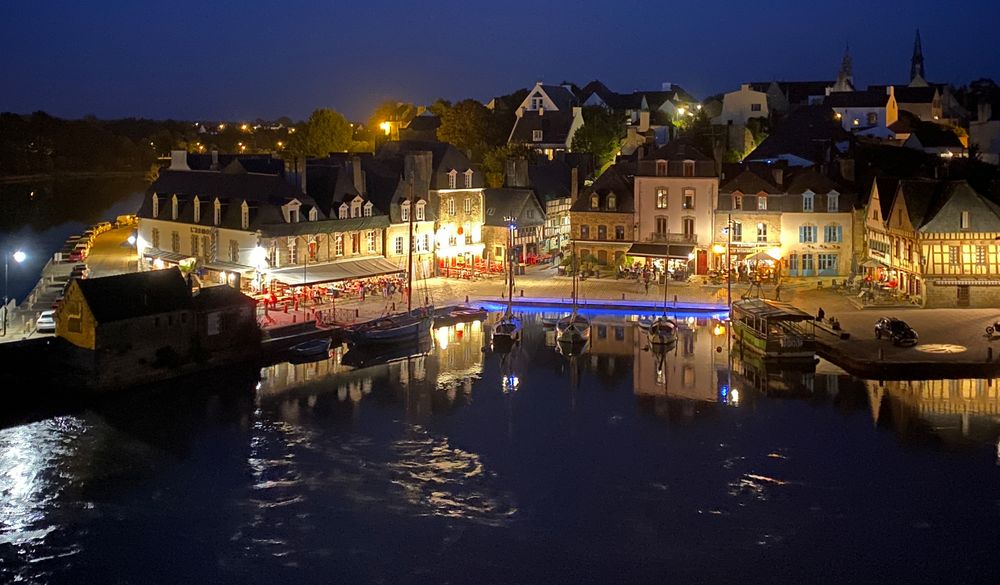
(18, 257)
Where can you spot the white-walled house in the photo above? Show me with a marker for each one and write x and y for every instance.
(740, 106)
(871, 111)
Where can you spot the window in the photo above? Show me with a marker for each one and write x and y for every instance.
(338, 244)
(156, 237)
(368, 209)
(313, 214)
(793, 263)
(194, 245)
(175, 242)
(807, 234)
(737, 202)
(662, 196)
(602, 232)
(762, 202)
(595, 201)
(755, 107)
(827, 263)
(689, 168)
(420, 210)
(217, 213)
(619, 232)
(872, 118)
(293, 215)
(234, 251)
(833, 202)
(688, 198)
(584, 232)
(688, 225)
(468, 179)
(953, 255)
(293, 250)
(661, 168)
(452, 179)
(833, 234)
(156, 205)
(468, 204)
(451, 206)
(398, 245)
(356, 243)
(356, 208)
(965, 220)
(371, 241)
(762, 232)
(807, 201)
(197, 210)
(661, 225)
(737, 231)
(611, 201)
(342, 211)
(537, 102)
(980, 254)
(536, 135)
(426, 247)
(807, 262)
(404, 211)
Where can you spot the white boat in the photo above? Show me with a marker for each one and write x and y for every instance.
(663, 330)
(573, 328)
(310, 351)
(507, 330)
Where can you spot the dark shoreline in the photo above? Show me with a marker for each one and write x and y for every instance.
(58, 176)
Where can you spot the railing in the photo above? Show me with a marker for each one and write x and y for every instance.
(672, 238)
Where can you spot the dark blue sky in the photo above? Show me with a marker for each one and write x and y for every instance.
(247, 59)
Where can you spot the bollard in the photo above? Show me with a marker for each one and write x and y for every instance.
(466, 299)
(293, 318)
(881, 354)
(675, 299)
(394, 306)
(522, 292)
(623, 296)
(989, 354)
(357, 313)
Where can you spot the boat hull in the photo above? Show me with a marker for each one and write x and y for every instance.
(391, 329)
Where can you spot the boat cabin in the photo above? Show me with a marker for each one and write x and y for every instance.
(774, 329)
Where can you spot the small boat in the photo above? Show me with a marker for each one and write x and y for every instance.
(774, 330)
(662, 331)
(310, 351)
(409, 326)
(507, 330)
(451, 315)
(573, 328)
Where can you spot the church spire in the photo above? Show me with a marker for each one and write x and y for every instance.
(917, 61)
(845, 78)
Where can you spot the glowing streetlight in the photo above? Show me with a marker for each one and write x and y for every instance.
(18, 257)
(386, 127)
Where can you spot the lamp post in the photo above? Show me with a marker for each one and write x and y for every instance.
(729, 261)
(18, 257)
(512, 227)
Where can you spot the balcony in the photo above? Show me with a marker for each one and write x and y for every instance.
(672, 238)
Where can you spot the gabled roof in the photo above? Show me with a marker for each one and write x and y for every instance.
(811, 180)
(562, 97)
(908, 94)
(678, 149)
(619, 179)
(886, 193)
(217, 297)
(932, 135)
(952, 199)
(253, 163)
(555, 127)
(136, 294)
(550, 179)
(857, 99)
(445, 157)
(809, 133)
(796, 92)
(919, 196)
(749, 182)
(511, 202)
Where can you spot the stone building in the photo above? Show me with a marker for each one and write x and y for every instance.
(602, 219)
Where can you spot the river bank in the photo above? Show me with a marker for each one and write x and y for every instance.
(69, 175)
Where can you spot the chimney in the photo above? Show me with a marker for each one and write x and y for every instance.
(541, 110)
(847, 169)
(667, 86)
(178, 160)
(985, 111)
(300, 170)
(778, 175)
(644, 121)
(520, 112)
(574, 185)
(744, 87)
(418, 165)
(357, 175)
(215, 160)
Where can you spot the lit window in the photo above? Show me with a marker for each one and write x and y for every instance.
(244, 216)
(807, 201)
(313, 214)
(662, 196)
(737, 202)
(451, 206)
(595, 201)
(468, 203)
(965, 220)
(536, 135)
(404, 211)
(688, 198)
(338, 244)
(368, 209)
(761, 232)
(833, 202)
(371, 241)
(953, 252)
(197, 209)
(398, 245)
(173, 208)
(872, 118)
(217, 212)
(420, 210)
(980, 254)
(468, 179)
(452, 178)
(762, 202)
(611, 201)
(156, 205)
(737, 231)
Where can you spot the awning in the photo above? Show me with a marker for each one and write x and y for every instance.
(678, 251)
(177, 258)
(334, 271)
(759, 256)
(873, 263)
(158, 254)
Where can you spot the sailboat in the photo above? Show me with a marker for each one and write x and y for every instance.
(663, 330)
(412, 325)
(507, 330)
(573, 328)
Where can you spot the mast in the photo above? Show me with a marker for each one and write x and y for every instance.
(409, 256)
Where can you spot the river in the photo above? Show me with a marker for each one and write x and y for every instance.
(618, 466)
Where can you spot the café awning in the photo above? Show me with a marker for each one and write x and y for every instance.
(873, 263)
(678, 251)
(334, 271)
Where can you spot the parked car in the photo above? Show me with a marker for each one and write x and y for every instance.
(46, 322)
(896, 330)
(102, 227)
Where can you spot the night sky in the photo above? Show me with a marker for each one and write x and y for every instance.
(247, 59)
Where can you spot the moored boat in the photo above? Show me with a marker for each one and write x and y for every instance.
(507, 330)
(773, 329)
(573, 328)
(310, 351)
(392, 328)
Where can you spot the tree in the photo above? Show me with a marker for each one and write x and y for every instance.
(439, 107)
(602, 134)
(326, 131)
(392, 110)
(495, 162)
(470, 126)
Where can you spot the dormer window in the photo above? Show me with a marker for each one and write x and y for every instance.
(537, 102)
(313, 214)
(595, 201)
(661, 168)
(244, 216)
(833, 201)
(420, 210)
(293, 215)
(156, 205)
(689, 168)
(367, 209)
(536, 135)
(356, 207)
(612, 201)
(173, 208)
(404, 211)
(468, 179)
(807, 201)
(343, 211)
(761, 202)
(737, 201)
(452, 179)
(217, 212)
(197, 209)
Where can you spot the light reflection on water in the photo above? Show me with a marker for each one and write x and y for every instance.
(337, 466)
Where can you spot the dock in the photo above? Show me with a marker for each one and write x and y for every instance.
(633, 305)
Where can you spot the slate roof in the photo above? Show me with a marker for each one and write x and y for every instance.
(886, 192)
(252, 163)
(796, 92)
(944, 211)
(512, 202)
(750, 183)
(555, 127)
(562, 97)
(551, 179)
(810, 179)
(920, 196)
(678, 149)
(933, 135)
(809, 132)
(445, 158)
(857, 99)
(218, 297)
(136, 294)
(619, 179)
(908, 95)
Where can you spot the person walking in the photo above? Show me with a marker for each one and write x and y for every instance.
(820, 314)
(777, 292)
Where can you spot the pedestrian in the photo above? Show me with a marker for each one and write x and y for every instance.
(645, 282)
(820, 314)
(777, 292)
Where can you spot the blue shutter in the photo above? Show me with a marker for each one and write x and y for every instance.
(802, 234)
(840, 233)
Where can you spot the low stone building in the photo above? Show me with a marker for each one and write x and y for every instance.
(602, 219)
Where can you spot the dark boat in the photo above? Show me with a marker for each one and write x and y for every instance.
(368, 356)
(313, 350)
(410, 326)
(507, 330)
(451, 315)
